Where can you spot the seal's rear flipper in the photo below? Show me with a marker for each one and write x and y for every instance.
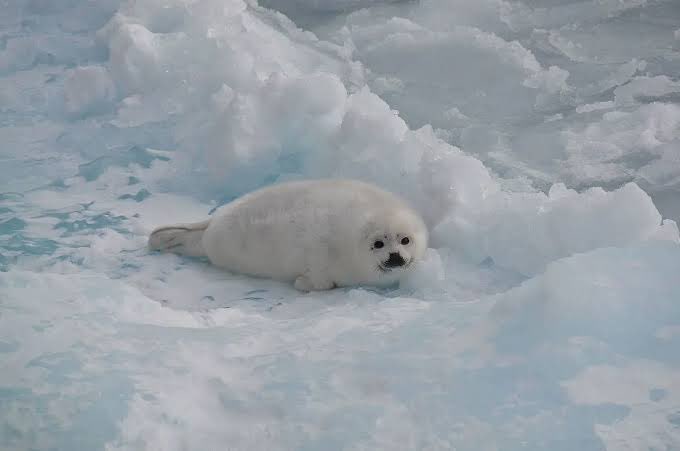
(184, 239)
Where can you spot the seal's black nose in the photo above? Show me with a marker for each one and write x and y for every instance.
(395, 260)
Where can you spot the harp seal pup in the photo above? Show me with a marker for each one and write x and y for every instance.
(318, 234)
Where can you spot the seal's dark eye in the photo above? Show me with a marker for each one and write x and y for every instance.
(405, 241)
(378, 244)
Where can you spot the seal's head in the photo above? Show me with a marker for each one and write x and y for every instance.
(392, 241)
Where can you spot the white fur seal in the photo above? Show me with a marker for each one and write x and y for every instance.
(318, 234)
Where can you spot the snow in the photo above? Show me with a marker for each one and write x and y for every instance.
(539, 139)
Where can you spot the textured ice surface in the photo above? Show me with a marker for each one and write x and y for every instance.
(539, 139)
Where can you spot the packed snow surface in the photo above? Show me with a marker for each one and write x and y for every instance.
(539, 139)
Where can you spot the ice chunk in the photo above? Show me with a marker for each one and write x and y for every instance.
(133, 54)
(524, 232)
(280, 114)
(294, 8)
(643, 140)
(570, 322)
(18, 54)
(429, 274)
(648, 88)
(594, 107)
(88, 89)
(606, 293)
(650, 388)
(436, 79)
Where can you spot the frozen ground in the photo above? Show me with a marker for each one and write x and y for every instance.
(539, 138)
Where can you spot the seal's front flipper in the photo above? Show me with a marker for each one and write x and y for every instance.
(304, 284)
(184, 239)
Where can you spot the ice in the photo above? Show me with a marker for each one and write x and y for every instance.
(539, 139)
(88, 89)
(383, 45)
(549, 58)
(649, 87)
(627, 145)
(559, 310)
(524, 232)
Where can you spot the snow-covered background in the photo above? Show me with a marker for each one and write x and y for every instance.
(539, 138)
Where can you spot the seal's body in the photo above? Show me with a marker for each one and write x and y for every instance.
(319, 234)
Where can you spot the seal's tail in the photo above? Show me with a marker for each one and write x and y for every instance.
(185, 239)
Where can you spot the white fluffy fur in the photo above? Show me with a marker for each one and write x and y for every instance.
(319, 234)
